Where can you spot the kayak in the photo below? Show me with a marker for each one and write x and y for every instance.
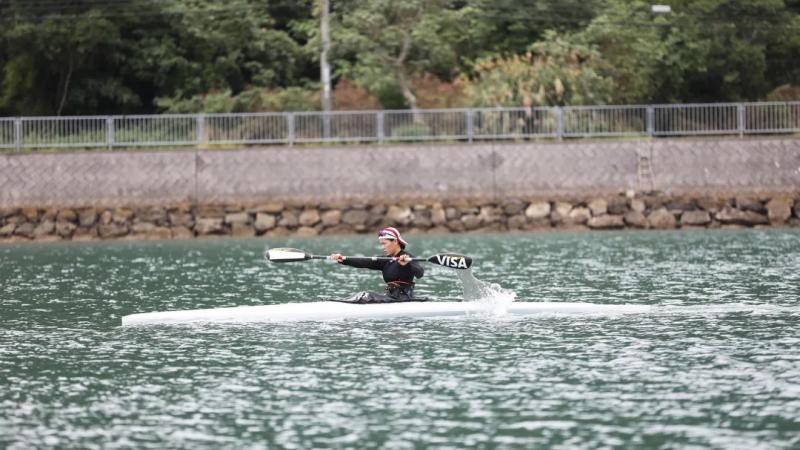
(329, 310)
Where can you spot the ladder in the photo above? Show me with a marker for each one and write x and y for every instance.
(645, 168)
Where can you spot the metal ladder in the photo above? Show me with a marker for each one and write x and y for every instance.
(645, 168)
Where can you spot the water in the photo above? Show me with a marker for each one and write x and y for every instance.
(717, 365)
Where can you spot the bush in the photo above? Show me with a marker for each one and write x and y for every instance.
(433, 93)
(348, 96)
(291, 99)
(212, 102)
(411, 131)
(555, 72)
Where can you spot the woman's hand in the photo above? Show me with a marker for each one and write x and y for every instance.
(336, 257)
(403, 259)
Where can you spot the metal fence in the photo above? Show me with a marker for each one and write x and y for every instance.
(390, 126)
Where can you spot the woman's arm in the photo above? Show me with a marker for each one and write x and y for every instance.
(361, 263)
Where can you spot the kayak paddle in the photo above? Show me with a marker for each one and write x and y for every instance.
(451, 260)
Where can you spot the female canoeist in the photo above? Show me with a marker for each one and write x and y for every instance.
(398, 272)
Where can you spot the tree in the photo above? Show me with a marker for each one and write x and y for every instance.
(508, 27)
(390, 41)
(144, 56)
(753, 48)
(646, 55)
(211, 47)
(703, 51)
(89, 57)
(56, 66)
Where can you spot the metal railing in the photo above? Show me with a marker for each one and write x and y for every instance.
(391, 126)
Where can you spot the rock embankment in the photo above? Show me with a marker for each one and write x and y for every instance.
(292, 219)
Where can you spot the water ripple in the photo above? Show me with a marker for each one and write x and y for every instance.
(716, 363)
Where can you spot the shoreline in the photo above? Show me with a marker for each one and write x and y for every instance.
(630, 210)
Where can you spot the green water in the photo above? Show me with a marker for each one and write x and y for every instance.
(715, 365)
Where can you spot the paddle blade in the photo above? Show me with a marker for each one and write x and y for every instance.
(451, 260)
(281, 255)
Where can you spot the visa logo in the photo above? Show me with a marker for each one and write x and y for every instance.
(455, 262)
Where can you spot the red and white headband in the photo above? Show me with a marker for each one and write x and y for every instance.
(392, 234)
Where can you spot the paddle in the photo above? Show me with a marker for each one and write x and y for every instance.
(451, 260)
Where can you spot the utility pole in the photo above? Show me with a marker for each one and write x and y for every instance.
(325, 68)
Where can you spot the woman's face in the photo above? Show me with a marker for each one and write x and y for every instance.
(390, 247)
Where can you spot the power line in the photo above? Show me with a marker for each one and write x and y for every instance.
(131, 14)
(48, 10)
(34, 5)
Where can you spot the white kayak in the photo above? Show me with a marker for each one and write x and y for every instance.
(320, 311)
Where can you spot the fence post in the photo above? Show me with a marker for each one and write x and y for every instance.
(379, 124)
(18, 134)
(290, 129)
(201, 125)
(651, 114)
(110, 133)
(559, 123)
(740, 119)
(470, 125)
(326, 125)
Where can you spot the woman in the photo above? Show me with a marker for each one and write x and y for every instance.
(399, 270)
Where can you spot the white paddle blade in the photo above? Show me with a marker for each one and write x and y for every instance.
(280, 255)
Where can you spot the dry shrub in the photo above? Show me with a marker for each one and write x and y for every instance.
(348, 96)
(434, 93)
(785, 93)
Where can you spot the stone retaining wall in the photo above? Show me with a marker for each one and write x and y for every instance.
(430, 188)
(276, 219)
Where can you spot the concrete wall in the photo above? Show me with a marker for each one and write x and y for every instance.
(399, 172)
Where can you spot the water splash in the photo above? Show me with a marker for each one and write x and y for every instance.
(495, 297)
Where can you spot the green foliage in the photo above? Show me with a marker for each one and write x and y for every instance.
(292, 99)
(411, 131)
(253, 99)
(19, 75)
(646, 56)
(134, 55)
(504, 27)
(753, 47)
(704, 50)
(218, 48)
(555, 72)
(55, 64)
(382, 44)
(146, 56)
(216, 102)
